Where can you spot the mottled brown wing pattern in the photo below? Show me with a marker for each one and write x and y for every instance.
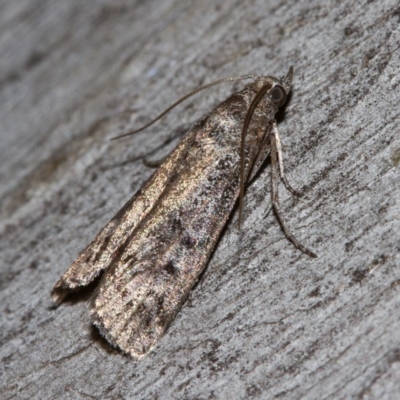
(154, 271)
(155, 248)
(141, 294)
(99, 254)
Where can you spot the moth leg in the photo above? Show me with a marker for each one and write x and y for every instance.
(278, 147)
(275, 201)
(154, 163)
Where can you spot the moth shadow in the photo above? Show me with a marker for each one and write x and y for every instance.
(82, 294)
(280, 115)
(97, 338)
(85, 294)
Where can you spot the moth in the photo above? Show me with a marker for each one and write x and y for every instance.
(154, 249)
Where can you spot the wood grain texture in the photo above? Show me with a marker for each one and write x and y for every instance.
(265, 321)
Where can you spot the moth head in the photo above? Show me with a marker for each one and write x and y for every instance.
(276, 89)
(278, 94)
(281, 88)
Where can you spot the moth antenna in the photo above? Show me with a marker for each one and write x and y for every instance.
(260, 94)
(182, 99)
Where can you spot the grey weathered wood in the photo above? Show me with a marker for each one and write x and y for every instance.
(265, 321)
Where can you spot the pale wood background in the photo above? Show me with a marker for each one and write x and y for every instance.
(266, 321)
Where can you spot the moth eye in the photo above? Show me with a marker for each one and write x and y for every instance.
(278, 95)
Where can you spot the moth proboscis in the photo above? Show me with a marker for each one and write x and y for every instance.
(154, 249)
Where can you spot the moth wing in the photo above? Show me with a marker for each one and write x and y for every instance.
(152, 276)
(99, 254)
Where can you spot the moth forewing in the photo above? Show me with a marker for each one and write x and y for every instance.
(161, 261)
(99, 254)
(154, 250)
